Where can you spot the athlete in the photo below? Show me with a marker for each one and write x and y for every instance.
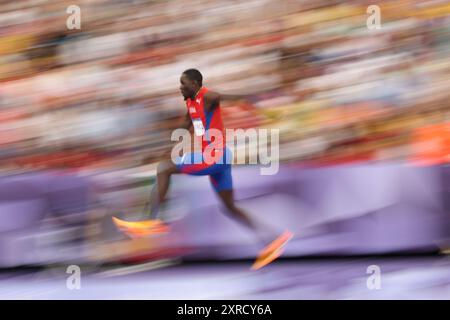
(214, 160)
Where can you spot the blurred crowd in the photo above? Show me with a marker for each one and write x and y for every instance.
(107, 96)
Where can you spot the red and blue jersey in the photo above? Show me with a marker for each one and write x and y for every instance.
(203, 121)
(213, 143)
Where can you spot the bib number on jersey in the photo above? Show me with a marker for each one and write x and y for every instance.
(198, 127)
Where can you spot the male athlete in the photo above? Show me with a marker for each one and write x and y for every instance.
(214, 160)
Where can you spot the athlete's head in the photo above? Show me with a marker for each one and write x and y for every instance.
(191, 81)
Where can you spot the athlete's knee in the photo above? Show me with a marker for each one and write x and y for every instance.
(230, 206)
(160, 169)
(165, 168)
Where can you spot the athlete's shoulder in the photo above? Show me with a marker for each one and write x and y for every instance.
(212, 99)
(211, 96)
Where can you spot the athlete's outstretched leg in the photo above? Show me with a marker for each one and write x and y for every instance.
(228, 200)
(272, 249)
(264, 233)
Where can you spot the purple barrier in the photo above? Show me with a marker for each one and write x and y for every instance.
(25, 201)
(368, 209)
(364, 209)
(68, 196)
(21, 205)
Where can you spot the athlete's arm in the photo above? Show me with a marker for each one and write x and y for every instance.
(187, 123)
(212, 99)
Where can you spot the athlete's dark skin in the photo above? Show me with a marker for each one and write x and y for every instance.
(189, 88)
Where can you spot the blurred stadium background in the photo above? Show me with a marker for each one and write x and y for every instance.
(87, 114)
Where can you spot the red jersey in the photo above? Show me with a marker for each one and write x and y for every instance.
(203, 121)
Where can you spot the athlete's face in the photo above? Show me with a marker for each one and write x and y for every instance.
(188, 87)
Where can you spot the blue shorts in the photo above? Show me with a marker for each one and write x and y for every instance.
(219, 172)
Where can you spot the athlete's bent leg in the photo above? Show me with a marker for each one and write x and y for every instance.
(164, 171)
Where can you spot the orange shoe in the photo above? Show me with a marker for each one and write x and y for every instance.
(136, 224)
(143, 232)
(138, 229)
(272, 251)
